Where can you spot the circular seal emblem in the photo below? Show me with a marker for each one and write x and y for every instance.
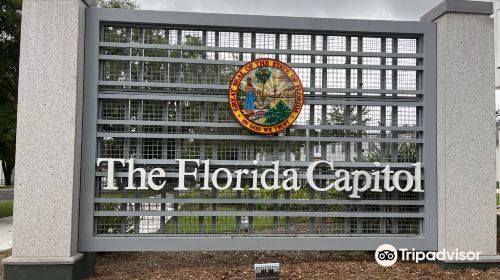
(266, 96)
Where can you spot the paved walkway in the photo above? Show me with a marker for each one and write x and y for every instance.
(5, 234)
(6, 194)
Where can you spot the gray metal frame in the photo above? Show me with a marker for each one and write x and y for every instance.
(90, 242)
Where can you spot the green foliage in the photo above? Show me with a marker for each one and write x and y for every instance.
(7, 131)
(342, 115)
(277, 113)
(118, 4)
(406, 152)
(112, 224)
(10, 36)
(6, 208)
(190, 71)
(263, 74)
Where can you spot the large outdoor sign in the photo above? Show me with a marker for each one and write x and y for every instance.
(266, 96)
(216, 132)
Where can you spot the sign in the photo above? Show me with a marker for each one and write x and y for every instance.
(266, 96)
(296, 170)
(354, 182)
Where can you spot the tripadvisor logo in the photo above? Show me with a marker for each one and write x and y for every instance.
(387, 255)
(266, 96)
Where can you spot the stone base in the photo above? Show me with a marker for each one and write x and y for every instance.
(484, 262)
(79, 266)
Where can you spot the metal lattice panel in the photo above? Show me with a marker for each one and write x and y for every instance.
(158, 92)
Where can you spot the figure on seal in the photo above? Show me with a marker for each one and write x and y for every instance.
(249, 95)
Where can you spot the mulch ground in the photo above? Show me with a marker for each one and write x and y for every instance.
(294, 265)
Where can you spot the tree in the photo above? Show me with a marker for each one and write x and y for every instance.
(342, 115)
(118, 4)
(262, 74)
(406, 152)
(277, 113)
(10, 34)
(8, 139)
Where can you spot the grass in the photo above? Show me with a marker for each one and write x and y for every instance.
(6, 208)
(225, 224)
(6, 187)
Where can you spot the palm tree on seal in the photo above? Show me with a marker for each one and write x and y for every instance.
(262, 75)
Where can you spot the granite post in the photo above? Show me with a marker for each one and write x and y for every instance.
(48, 144)
(466, 132)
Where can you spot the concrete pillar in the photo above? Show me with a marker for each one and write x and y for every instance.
(466, 131)
(48, 142)
(496, 16)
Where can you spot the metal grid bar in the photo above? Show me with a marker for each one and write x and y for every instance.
(235, 125)
(260, 50)
(179, 213)
(256, 200)
(257, 138)
(248, 163)
(110, 58)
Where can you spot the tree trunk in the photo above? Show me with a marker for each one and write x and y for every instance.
(262, 95)
(7, 172)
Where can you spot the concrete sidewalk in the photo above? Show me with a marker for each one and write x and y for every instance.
(5, 233)
(6, 194)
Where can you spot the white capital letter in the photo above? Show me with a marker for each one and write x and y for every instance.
(310, 172)
(110, 186)
(182, 172)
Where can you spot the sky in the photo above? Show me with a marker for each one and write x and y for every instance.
(365, 9)
(355, 9)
